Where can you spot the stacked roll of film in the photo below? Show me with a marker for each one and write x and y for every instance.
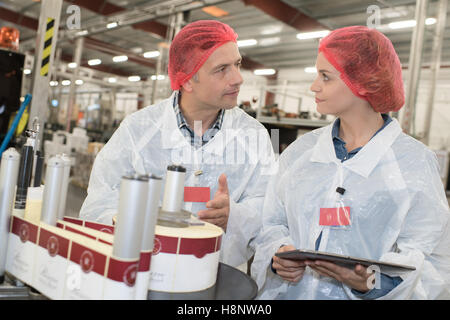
(8, 178)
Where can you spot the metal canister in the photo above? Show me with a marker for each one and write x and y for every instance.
(9, 171)
(131, 216)
(174, 188)
(151, 214)
(52, 190)
(64, 187)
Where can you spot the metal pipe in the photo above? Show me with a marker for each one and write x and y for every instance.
(414, 64)
(52, 190)
(130, 218)
(8, 178)
(435, 65)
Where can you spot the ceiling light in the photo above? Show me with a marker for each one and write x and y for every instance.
(134, 78)
(247, 43)
(120, 58)
(112, 25)
(26, 71)
(215, 11)
(269, 41)
(53, 83)
(312, 35)
(65, 82)
(82, 33)
(72, 65)
(430, 21)
(94, 62)
(264, 72)
(112, 80)
(310, 70)
(151, 54)
(402, 24)
(79, 82)
(158, 77)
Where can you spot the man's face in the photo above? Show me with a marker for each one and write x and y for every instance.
(217, 82)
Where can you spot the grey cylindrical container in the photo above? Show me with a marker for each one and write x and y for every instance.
(52, 190)
(9, 172)
(131, 216)
(174, 188)
(151, 214)
(64, 187)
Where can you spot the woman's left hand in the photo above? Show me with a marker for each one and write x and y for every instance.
(356, 278)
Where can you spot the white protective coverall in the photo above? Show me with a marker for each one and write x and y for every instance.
(149, 140)
(398, 209)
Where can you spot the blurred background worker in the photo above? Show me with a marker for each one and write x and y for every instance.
(385, 183)
(200, 128)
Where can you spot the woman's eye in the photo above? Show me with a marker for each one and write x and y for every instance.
(325, 77)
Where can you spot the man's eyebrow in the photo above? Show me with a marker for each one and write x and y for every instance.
(226, 64)
(324, 70)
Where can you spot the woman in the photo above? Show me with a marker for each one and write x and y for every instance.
(384, 182)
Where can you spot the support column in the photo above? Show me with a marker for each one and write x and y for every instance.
(414, 66)
(47, 36)
(435, 65)
(79, 44)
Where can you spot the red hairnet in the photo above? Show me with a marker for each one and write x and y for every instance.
(368, 64)
(192, 46)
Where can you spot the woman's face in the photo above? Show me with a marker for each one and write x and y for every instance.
(332, 94)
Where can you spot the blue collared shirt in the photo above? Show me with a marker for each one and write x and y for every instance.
(196, 140)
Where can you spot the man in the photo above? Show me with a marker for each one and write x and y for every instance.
(200, 128)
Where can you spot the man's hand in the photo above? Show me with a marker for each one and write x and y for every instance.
(219, 207)
(289, 270)
(354, 278)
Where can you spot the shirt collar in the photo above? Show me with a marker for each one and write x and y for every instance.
(181, 121)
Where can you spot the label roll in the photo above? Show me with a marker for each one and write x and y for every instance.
(9, 171)
(174, 188)
(52, 190)
(64, 187)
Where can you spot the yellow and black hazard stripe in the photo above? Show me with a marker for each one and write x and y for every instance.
(45, 65)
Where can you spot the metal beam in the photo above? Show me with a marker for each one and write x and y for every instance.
(287, 14)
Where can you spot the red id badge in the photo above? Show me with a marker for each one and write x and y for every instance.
(197, 194)
(339, 216)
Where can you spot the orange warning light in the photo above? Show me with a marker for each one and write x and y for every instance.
(9, 38)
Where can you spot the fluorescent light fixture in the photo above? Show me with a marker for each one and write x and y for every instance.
(26, 71)
(65, 82)
(94, 62)
(269, 41)
(312, 35)
(272, 29)
(53, 83)
(54, 103)
(264, 72)
(247, 43)
(82, 33)
(79, 82)
(72, 65)
(402, 24)
(112, 80)
(120, 58)
(134, 78)
(430, 21)
(158, 77)
(151, 54)
(310, 70)
(112, 25)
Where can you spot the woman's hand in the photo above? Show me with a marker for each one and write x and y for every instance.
(289, 270)
(356, 278)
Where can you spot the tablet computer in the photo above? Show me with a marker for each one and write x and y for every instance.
(345, 261)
